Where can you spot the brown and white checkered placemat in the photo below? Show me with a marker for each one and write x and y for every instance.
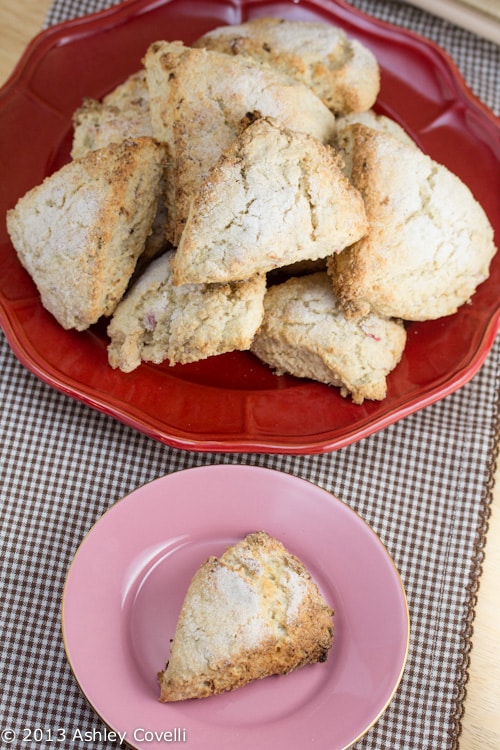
(424, 484)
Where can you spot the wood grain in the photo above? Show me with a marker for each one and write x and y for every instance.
(20, 21)
(480, 16)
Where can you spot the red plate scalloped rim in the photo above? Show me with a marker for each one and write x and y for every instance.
(233, 402)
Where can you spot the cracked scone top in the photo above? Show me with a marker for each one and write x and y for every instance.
(275, 196)
(198, 98)
(252, 613)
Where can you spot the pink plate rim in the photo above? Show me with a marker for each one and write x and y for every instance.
(154, 530)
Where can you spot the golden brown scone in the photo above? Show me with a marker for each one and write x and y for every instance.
(198, 99)
(304, 333)
(275, 196)
(253, 613)
(429, 243)
(79, 234)
(123, 113)
(339, 69)
(157, 321)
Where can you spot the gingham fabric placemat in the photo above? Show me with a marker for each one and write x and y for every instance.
(424, 484)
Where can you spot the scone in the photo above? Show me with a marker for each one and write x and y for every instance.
(157, 321)
(339, 69)
(123, 113)
(252, 613)
(79, 234)
(304, 333)
(374, 120)
(344, 133)
(429, 243)
(198, 99)
(275, 196)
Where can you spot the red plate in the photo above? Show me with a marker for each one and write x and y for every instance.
(233, 402)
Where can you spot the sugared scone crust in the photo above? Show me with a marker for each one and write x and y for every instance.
(123, 113)
(198, 99)
(157, 321)
(305, 333)
(276, 196)
(429, 243)
(339, 69)
(79, 234)
(252, 613)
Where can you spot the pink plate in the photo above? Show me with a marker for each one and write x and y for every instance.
(233, 402)
(126, 585)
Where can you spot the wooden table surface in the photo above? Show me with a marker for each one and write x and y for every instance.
(20, 20)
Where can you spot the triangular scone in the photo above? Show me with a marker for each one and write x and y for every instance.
(157, 321)
(339, 69)
(123, 113)
(80, 232)
(253, 613)
(198, 99)
(275, 197)
(304, 333)
(429, 243)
